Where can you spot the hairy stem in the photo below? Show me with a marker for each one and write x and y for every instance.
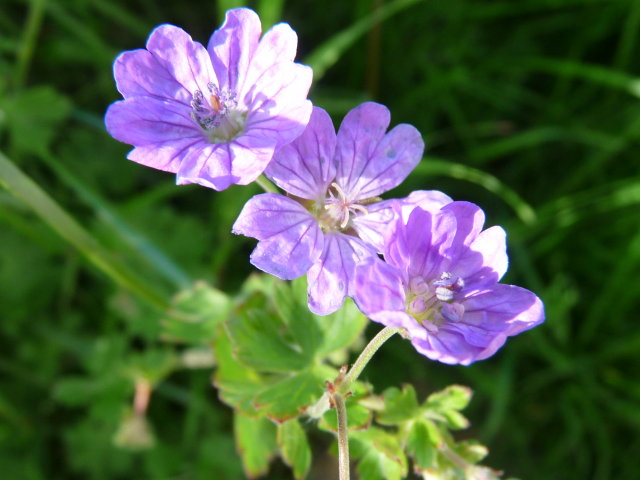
(366, 355)
(343, 437)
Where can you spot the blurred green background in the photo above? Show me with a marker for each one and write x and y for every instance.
(530, 108)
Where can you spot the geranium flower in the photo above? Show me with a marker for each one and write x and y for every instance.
(213, 116)
(331, 218)
(439, 281)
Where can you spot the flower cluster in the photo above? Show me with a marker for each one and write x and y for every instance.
(225, 114)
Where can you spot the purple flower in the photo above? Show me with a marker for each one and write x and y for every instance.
(331, 218)
(440, 283)
(213, 116)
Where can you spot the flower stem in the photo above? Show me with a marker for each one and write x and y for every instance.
(266, 185)
(340, 389)
(366, 355)
(343, 437)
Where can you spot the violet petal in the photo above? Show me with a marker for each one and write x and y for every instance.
(330, 278)
(232, 47)
(145, 120)
(379, 293)
(370, 162)
(182, 58)
(290, 240)
(305, 167)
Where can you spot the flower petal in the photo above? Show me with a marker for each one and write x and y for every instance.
(381, 217)
(489, 319)
(251, 153)
(305, 167)
(429, 200)
(277, 102)
(290, 240)
(278, 44)
(209, 167)
(143, 121)
(182, 58)
(446, 346)
(232, 47)
(167, 156)
(375, 225)
(138, 73)
(370, 162)
(485, 262)
(379, 293)
(457, 225)
(504, 308)
(330, 278)
(413, 248)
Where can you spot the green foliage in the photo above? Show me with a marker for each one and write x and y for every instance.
(195, 313)
(32, 118)
(276, 358)
(294, 445)
(379, 455)
(528, 108)
(256, 443)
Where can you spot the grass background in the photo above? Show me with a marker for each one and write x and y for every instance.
(530, 109)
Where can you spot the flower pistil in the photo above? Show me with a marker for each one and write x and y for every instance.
(434, 304)
(218, 114)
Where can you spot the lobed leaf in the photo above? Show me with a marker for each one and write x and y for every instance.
(294, 447)
(195, 313)
(399, 406)
(379, 453)
(256, 443)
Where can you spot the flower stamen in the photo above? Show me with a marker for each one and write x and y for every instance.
(217, 114)
(339, 207)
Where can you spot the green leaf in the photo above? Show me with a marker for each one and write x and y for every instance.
(399, 405)
(291, 305)
(195, 313)
(237, 385)
(453, 397)
(290, 396)
(262, 339)
(420, 444)
(471, 450)
(358, 417)
(153, 364)
(340, 329)
(32, 116)
(256, 442)
(294, 447)
(380, 455)
(445, 405)
(285, 347)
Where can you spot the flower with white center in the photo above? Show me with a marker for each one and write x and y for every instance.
(213, 116)
(439, 282)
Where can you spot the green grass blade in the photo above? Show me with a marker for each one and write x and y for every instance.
(14, 180)
(140, 244)
(32, 27)
(433, 166)
(596, 74)
(327, 54)
(270, 12)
